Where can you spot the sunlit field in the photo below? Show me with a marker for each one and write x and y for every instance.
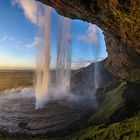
(10, 79)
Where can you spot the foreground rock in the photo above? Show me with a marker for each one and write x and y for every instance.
(23, 124)
(128, 129)
(3, 133)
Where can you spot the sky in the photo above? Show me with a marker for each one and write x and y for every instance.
(19, 38)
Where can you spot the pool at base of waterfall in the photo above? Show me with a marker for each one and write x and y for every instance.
(18, 113)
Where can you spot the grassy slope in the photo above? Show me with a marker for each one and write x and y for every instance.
(128, 129)
(125, 130)
(113, 100)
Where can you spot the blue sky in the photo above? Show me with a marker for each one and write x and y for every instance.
(18, 36)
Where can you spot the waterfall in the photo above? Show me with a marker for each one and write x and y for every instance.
(63, 63)
(96, 76)
(45, 91)
(97, 54)
(43, 60)
(63, 67)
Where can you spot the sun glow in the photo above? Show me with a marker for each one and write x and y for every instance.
(11, 62)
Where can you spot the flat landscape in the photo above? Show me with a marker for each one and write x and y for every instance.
(15, 78)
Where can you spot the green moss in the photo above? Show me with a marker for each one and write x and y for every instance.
(126, 130)
(113, 100)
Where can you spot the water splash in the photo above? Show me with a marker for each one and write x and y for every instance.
(43, 61)
(63, 69)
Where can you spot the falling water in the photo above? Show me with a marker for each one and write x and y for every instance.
(63, 63)
(43, 61)
(63, 70)
(63, 66)
(97, 53)
(97, 76)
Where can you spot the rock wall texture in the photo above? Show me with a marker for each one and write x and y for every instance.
(120, 22)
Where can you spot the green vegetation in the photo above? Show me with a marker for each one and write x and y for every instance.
(113, 100)
(101, 127)
(125, 130)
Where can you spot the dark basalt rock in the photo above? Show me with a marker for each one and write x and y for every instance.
(120, 21)
(3, 133)
(82, 80)
(23, 124)
(131, 104)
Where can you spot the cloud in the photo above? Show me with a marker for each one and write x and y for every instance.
(36, 41)
(30, 9)
(9, 38)
(18, 44)
(91, 35)
(4, 38)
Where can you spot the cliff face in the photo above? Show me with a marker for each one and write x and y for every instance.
(120, 21)
(82, 80)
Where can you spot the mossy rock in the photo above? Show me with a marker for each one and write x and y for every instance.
(113, 100)
(125, 130)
